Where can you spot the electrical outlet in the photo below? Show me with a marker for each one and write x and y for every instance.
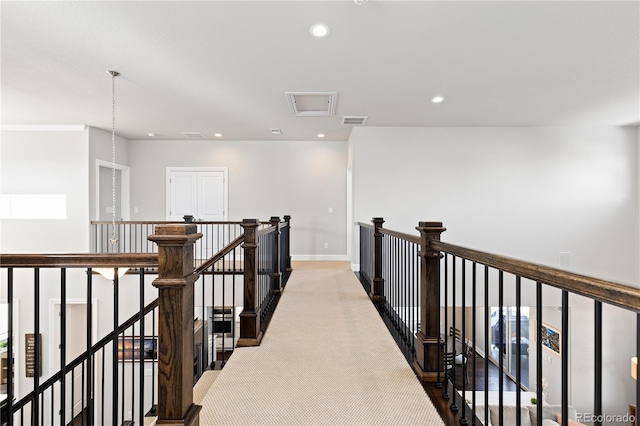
(326, 245)
(135, 210)
(330, 209)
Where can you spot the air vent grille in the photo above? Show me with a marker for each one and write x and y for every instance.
(193, 135)
(275, 131)
(312, 104)
(352, 120)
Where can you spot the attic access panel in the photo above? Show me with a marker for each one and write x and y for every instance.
(312, 104)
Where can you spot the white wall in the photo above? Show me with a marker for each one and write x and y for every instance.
(46, 162)
(300, 178)
(528, 193)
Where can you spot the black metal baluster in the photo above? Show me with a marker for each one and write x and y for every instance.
(73, 391)
(597, 382)
(445, 385)
(539, 351)
(10, 356)
(52, 403)
(142, 336)
(487, 348)
(518, 351)
(89, 348)
(453, 405)
(233, 291)
(154, 408)
(474, 283)
(102, 386)
(224, 319)
(133, 368)
(82, 390)
(116, 326)
(122, 371)
(63, 342)
(440, 351)
(501, 346)
(204, 361)
(565, 354)
(213, 314)
(36, 346)
(464, 373)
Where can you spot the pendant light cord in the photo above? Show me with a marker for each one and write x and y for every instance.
(114, 235)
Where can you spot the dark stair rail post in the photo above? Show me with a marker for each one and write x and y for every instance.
(428, 342)
(277, 276)
(377, 285)
(175, 323)
(250, 334)
(287, 219)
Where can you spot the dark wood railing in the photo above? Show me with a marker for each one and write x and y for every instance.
(132, 236)
(177, 343)
(99, 369)
(451, 282)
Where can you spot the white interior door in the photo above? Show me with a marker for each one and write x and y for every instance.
(201, 193)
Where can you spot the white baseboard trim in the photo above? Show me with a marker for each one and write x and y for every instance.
(355, 267)
(295, 257)
(480, 352)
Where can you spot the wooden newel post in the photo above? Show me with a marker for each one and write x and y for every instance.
(377, 286)
(277, 279)
(429, 345)
(250, 334)
(175, 324)
(287, 258)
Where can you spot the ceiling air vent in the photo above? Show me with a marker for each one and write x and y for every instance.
(275, 131)
(312, 104)
(193, 135)
(353, 120)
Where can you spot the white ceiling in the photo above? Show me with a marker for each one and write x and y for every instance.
(224, 66)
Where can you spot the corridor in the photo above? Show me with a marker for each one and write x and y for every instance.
(327, 358)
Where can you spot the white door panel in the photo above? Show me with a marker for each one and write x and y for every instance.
(211, 196)
(184, 195)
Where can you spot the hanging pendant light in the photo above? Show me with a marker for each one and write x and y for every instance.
(114, 235)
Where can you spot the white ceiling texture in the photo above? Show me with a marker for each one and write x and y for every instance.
(224, 66)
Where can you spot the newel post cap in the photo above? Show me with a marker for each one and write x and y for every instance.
(250, 223)
(431, 227)
(175, 233)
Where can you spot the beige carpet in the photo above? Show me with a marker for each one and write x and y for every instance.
(327, 358)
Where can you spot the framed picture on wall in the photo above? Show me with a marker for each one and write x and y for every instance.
(550, 338)
(134, 348)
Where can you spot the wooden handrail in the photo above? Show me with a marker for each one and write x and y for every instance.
(621, 295)
(221, 254)
(80, 260)
(163, 222)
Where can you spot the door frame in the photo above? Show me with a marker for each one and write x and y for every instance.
(125, 180)
(225, 186)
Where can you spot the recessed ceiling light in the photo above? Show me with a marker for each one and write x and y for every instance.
(151, 134)
(321, 135)
(319, 30)
(437, 99)
(218, 135)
